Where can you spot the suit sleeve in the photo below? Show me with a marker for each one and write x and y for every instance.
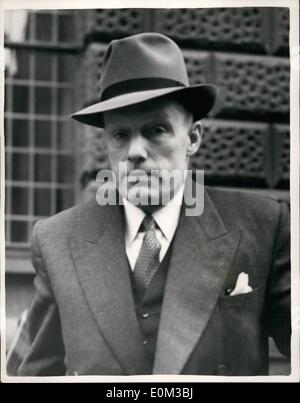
(278, 313)
(40, 347)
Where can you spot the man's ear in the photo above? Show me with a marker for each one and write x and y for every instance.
(195, 138)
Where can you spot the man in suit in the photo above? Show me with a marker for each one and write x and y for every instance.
(145, 288)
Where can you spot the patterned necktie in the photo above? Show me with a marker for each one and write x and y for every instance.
(148, 259)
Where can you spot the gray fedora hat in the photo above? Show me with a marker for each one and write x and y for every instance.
(142, 67)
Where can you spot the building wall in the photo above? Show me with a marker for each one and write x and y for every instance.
(244, 51)
(40, 152)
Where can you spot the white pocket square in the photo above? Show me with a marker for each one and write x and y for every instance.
(242, 285)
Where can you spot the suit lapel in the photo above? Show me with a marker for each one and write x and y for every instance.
(101, 264)
(203, 252)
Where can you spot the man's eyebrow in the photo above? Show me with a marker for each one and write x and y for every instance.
(159, 115)
(115, 126)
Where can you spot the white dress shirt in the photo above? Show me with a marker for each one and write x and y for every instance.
(166, 218)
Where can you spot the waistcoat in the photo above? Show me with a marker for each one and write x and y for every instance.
(149, 309)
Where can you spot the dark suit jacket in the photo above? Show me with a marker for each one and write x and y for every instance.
(82, 319)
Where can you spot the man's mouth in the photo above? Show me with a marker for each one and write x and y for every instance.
(138, 174)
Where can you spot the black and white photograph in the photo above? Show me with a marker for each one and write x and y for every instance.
(150, 200)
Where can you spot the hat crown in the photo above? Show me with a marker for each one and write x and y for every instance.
(146, 57)
(143, 67)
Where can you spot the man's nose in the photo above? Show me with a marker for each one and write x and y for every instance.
(137, 152)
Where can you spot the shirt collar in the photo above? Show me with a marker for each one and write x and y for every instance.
(166, 217)
(134, 217)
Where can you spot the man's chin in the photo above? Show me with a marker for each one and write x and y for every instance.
(148, 200)
(142, 196)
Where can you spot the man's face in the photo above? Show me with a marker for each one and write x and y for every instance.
(150, 136)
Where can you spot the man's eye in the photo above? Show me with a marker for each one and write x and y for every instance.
(159, 130)
(119, 135)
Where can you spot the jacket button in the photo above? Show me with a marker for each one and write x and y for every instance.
(145, 315)
(145, 342)
(221, 370)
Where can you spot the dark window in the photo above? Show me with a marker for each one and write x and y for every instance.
(39, 139)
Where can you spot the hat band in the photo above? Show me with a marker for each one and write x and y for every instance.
(138, 84)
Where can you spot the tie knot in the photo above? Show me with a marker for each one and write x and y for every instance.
(148, 223)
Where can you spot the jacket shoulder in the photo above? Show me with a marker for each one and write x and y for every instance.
(237, 196)
(67, 222)
(240, 206)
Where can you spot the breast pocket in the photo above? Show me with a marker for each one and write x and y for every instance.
(248, 300)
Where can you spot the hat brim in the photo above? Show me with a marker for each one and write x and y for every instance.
(199, 100)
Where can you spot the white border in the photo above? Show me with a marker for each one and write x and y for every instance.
(294, 182)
